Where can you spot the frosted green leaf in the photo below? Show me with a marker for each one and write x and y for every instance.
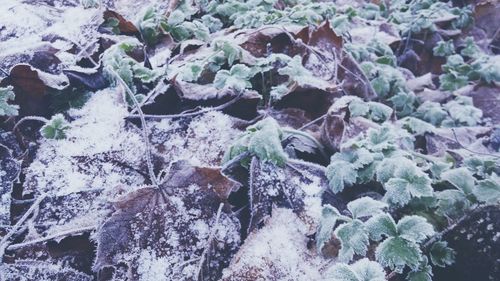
(461, 178)
(414, 228)
(214, 24)
(403, 102)
(431, 112)
(358, 108)
(353, 239)
(396, 253)
(441, 255)
(409, 181)
(55, 128)
(87, 4)
(379, 112)
(176, 17)
(262, 140)
(452, 203)
(471, 49)
(340, 174)
(298, 73)
(362, 270)
(481, 165)
(386, 168)
(423, 273)
(379, 140)
(368, 270)
(329, 216)
(462, 110)
(342, 272)
(277, 92)
(488, 190)
(7, 109)
(232, 52)
(343, 167)
(365, 207)
(416, 126)
(191, 72)
(237, 78)
(381, 225)
(381, 86)
(444, 48)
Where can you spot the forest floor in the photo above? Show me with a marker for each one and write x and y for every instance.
(250, 140)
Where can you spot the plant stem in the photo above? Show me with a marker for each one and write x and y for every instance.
(145, 131)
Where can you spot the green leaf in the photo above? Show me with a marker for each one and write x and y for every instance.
(414, 228)
(396, 253)
(471, 49)
(353, 239)
(365, 207)
(463, 112)
(452, 203)
(441, 255)
(461, 178)
(408, 181)
(329, 216)
(55, 128)
(361, 270)
(368, 270)
(343, 167)
(416, 126)
(6, 109)
(423, 273)
(262, 140)
(342, 272)
(381, 225)
(340, 174)
(431, 112)
(232, 52)
(176, 17)
(488, 190)
(444, 48)
(237, 78)
(381, 86)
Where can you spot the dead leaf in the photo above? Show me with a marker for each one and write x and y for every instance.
(297, 186)
(34, 270)
(171, 232)
(10, 168)
(487, 99)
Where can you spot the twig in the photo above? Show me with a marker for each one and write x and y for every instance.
(145, 131)
(209, 242)
(50, 237)
(30, 118)
(191, 114)
(471, 151)
(312, 122)
(4, 242)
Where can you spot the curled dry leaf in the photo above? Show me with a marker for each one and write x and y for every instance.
(152, 229)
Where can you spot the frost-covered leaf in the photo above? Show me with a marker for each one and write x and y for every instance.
(329, 216)
(343, 168)
(444, 48)
(381, 225)
(488, 190)
(149, 228)
(452, 203)
(396, 253)
(423, 273)
(361, 270)
(285, 187)
(262, 140)
(353, 238)
(25, 270)
(461, 178)
(414, 228)
(55, 128)
(232, 52)
(7, 94)
(408, 181)
(416, 126)
(441, 255)
(365, 207)
(463, 112)
(237, 78)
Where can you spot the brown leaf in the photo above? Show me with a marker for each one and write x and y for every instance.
(487, 99)
(126, 27)
(33, 270)
(288, 187)
(172, 231)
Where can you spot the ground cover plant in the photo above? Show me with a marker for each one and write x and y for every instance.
(250, 140)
